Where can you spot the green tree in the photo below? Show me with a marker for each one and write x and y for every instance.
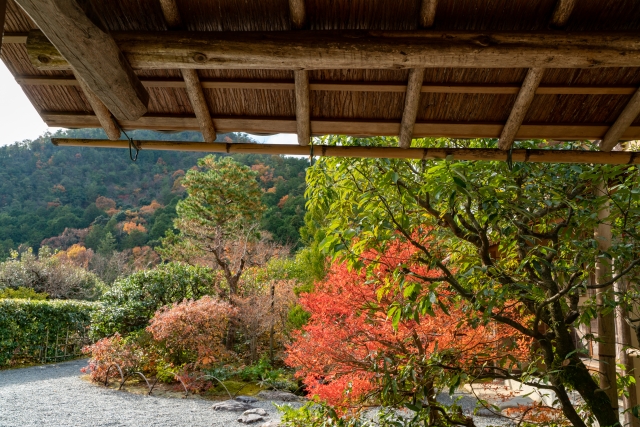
(219, 218)
(516, 243)
(107, 244)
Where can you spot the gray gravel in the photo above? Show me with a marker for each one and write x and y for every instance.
(55, 395)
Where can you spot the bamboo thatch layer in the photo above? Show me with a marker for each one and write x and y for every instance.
(273, 15)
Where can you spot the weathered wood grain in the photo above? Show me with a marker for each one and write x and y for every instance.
(92, 53)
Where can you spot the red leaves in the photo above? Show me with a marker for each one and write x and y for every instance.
(338, 353)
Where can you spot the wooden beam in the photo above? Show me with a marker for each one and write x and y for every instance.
(303, 108)
(297, 13)
(15, 38)
(562, 12)
(199, 104)
(411, 103)
(286, 50)
(102, 113)
(3, 10)
(348, 86)
(428, 13)
(92, 53)
(520, 108)
(171, 13)
(487, 154)
(622, 123)
(270, 125)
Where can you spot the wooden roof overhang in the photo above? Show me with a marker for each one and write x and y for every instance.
(507, 69)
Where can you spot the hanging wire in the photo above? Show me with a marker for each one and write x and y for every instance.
(132, 143)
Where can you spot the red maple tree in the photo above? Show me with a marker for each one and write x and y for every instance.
(340, 353)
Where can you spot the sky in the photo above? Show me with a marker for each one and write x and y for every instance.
(19, 120)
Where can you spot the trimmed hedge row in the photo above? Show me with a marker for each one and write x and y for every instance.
(29, 327)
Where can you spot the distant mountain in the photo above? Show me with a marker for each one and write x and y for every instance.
(45, 190)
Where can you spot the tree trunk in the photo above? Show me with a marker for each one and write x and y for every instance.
(271, 331)
(624, 342)
(606, 321)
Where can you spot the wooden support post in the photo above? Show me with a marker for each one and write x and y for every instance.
(191, 79)
(3, 11)
(199, 104)
(622, 123)
(101, 111)
(606, 321)
(428, 13)
(623, 333)
(92, 53)
(562, 12)
(520, 108)
(298, 14)
(411, 104)
(303, 109)
(358, 49)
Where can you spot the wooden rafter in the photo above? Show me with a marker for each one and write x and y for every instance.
(348, 86)
(199, 104)
(171, 13)
(92, 53)
(102, 112)
(270, 125)
(298, 14)
(428, 13)
(411, 103)
(520, 155)
(287, 50)
(191, 78)
(520, 107)
(562, 12)
(3, 9)
(622, 123)
(303, 109)
(19, 38)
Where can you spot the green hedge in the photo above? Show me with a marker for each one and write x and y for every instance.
(29, 328)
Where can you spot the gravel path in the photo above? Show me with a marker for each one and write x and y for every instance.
(54, 395)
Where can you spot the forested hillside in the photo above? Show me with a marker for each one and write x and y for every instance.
(60, 196)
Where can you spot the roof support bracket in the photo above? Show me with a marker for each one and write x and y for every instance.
(303, 110)
(92, 53)
(520, 108)
(102, 113)
(298, 14)
(199, 104)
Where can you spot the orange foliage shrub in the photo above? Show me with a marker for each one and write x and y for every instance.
(59, 188)
(339, 353)
(127, 354)
(193, 329)
(283, 200)
(150, 208)
(105, 203)
(77, 255)
(130, 226)
(144, 257)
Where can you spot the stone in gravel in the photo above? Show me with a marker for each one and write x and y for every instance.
(283, 396)
(231, 405)
(484, 412)
(250, 418)
(271, 424)
(515, 402)
(258, 411)
(246, 399)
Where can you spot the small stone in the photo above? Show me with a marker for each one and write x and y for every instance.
(250, 418)
(258, 411)
(484, 412)
(516, 402)
(283, 396)
(246, 399)
(271, 424)
(231, 405)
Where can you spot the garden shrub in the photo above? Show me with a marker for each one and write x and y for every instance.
(22, 293)
(24, 324)
(193, 331)
(132, 301)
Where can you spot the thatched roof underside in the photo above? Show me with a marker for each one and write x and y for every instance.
(239, 107)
